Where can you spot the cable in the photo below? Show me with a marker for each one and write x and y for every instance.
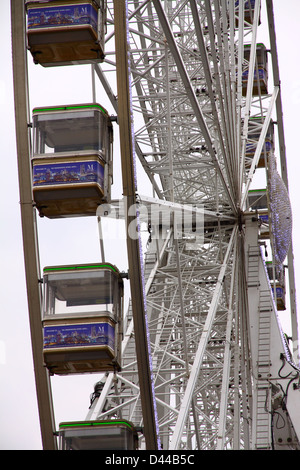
(282, 357)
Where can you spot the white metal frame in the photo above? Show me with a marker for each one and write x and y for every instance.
(165, 39)
(190, 133)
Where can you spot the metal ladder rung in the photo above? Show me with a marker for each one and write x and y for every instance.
(262, 419)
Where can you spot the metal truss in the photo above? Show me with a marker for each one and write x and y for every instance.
(191, 122)
(191, 109)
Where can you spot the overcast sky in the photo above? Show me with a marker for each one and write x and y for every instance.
(19, 423)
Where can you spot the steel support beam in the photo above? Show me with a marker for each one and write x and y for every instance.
(283, 164)
(191, 95)
(186, 401)
(133, 243)
(259, 147)
(250, 81)
(31, 258)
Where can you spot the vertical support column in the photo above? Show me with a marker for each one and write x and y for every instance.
(44, 396)
(133, 243)
(284, 175)
(259, 331)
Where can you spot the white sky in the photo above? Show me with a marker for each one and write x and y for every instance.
(19, 423)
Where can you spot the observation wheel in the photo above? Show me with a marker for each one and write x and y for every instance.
(203, 103)
(205, 364)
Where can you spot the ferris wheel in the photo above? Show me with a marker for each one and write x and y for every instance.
(199, 360)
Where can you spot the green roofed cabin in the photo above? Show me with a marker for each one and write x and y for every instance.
(66, 32)
(82, 318)
(72, 159)
(98, 435)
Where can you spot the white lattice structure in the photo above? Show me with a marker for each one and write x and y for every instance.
(191, 118)
(193, 93)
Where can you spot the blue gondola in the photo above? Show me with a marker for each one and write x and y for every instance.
(82, 318)
(72, 159)
(279, 283)
(249, 6)
(254, 130)
(66, 32)
(260, 81)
